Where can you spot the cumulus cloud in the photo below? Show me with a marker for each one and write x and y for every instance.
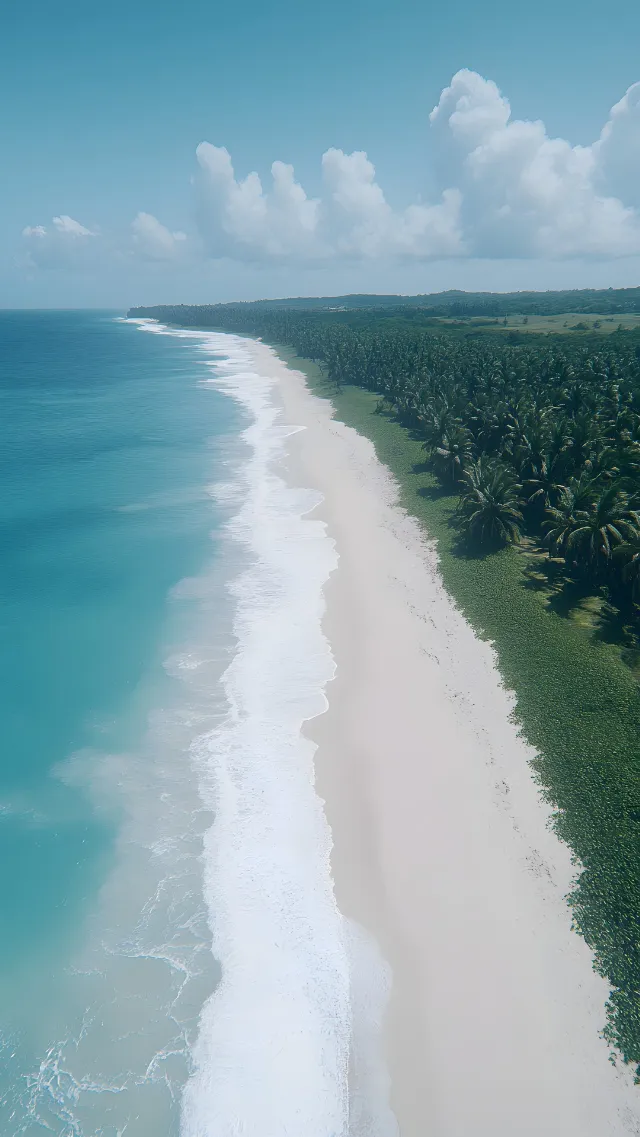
(71, 228)
(525, 194)
(66, 244)
(241, 218)
(617, 152)
(153, 241)
(504, 189)
(362, 223)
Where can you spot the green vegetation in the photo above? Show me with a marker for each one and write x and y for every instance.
(523, 461)
(490, 504)
(453, 304)
(564, 323)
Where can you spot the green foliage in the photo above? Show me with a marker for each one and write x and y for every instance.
(627, 555)
(562, 518)
(454, 453)
(599, 528)
(451, 304)
(490, 504)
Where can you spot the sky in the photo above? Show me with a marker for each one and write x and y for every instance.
(204, 152)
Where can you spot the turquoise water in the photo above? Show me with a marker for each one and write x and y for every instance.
(110, 443)
(172, 960)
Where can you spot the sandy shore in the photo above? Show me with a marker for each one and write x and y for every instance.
(441, 843)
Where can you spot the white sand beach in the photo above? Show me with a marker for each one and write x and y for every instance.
(442, 849)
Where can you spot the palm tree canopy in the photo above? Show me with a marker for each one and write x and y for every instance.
(605, 523)
(490, 503)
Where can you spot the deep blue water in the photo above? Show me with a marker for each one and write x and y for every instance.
(109, 442)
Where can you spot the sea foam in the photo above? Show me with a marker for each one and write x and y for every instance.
(288, 1043)
(272, 1053)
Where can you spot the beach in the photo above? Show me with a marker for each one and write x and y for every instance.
(320, 892)
(443, 859)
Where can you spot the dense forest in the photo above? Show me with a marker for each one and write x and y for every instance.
(604, 301)
(540, 438)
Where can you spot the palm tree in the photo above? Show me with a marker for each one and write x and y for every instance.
(628, 554)
(621, 458)
(454, 453)
(585, 440)
(438, 422)
(542, 488)
(605, 524)
(527, 436)
(564, 516)
(490, 503)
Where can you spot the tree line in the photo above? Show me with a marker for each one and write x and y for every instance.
(453, 303)
(539, 439)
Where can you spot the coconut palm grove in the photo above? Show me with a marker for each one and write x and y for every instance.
(539, 437)
(520, 452)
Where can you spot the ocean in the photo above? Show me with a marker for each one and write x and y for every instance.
(172, 958)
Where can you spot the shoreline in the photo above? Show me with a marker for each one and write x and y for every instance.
(442, 849)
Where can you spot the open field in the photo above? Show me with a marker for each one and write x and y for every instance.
(573, 323)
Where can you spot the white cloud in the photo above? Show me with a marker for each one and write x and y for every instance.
(362, 223)
(153, 241)
(68, 244)
(72, 228)
(617, 152)
(505, 190)
(525, 194)
(239, 217)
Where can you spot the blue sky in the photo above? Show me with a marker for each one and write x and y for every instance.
(105, 107)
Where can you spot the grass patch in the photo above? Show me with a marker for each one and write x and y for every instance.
(567, 323)
(573, 666)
